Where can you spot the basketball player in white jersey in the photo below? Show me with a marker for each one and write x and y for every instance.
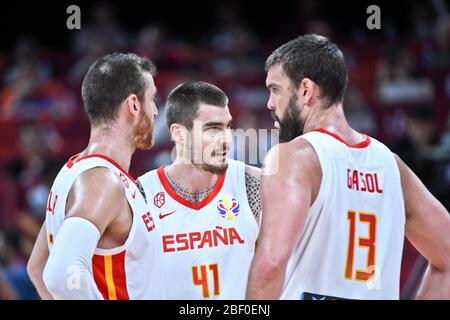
(101, 238)
(336, 202)
(207, 205)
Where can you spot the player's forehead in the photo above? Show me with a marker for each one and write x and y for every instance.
(211, 113)
(276, 77)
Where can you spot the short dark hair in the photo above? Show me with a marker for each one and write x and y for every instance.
(110, 80)
(315, 57)
(183, 101)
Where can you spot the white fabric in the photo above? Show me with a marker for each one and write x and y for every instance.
(67, 274)
(185, 256)
(319, 262)
(139, 256)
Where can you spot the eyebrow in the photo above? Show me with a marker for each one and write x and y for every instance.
(216, 123)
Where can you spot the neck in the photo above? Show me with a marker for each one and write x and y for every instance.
(191, 177)
(112, 143)
(331, 119)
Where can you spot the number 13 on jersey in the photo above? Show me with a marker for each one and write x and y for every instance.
(367, 243)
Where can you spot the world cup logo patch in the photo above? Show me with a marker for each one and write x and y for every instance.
(228, 208)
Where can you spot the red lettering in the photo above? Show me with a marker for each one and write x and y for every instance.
(355, 180)
(182, 238)
(168, 240)
(369, 181)
(51, 209)
(376, 184)
(206, 240)
(349, 179)
(148, 221)
(363, 182)
(200, 240)
(124, 180)
(234, 235)
(223, 237)
(193, 237)
(48, 202)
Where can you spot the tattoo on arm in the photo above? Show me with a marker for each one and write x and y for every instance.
(253, 194)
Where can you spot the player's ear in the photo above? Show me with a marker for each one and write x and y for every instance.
(177, 132)
(133, 105)
(307, 90)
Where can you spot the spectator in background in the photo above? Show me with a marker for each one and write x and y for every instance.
(417, 144)
(33, 93)
(30, 89)
(150, 42)
(13, 267)
(26, 174)
(37, 196)
(358, 113)
(7, 291)
(238, 53)
(396, 81)
(435, 52)
(101, 35)
(103, 26)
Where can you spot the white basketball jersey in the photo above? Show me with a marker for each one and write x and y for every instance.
(353, 237)
(131, 271)
(207, 246)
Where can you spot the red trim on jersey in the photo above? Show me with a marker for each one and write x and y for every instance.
(74, 160)
(186, 202)
(98, 268)
(363, 144)
(119, 278)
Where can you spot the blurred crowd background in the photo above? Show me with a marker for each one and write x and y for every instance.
(399, 90)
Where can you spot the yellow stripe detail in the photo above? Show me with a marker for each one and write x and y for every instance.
(109, 278)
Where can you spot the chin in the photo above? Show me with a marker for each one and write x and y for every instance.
(219, 169)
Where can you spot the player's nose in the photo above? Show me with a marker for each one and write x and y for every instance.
(271, 104)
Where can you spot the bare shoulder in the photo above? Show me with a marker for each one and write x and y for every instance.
(292, 166)
(253, 171)
(99, 181)
(96, 195)
(295, 156)
(412, 187)
(401, 165)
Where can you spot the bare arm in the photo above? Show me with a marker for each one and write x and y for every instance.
(428, 229)
(252, 185)
(292, 166)
(36, 264)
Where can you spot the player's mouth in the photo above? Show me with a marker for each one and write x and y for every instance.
(221, 153)
(276, 122)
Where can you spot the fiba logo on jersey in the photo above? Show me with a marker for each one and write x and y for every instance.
(159, 199)
(228, 208)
